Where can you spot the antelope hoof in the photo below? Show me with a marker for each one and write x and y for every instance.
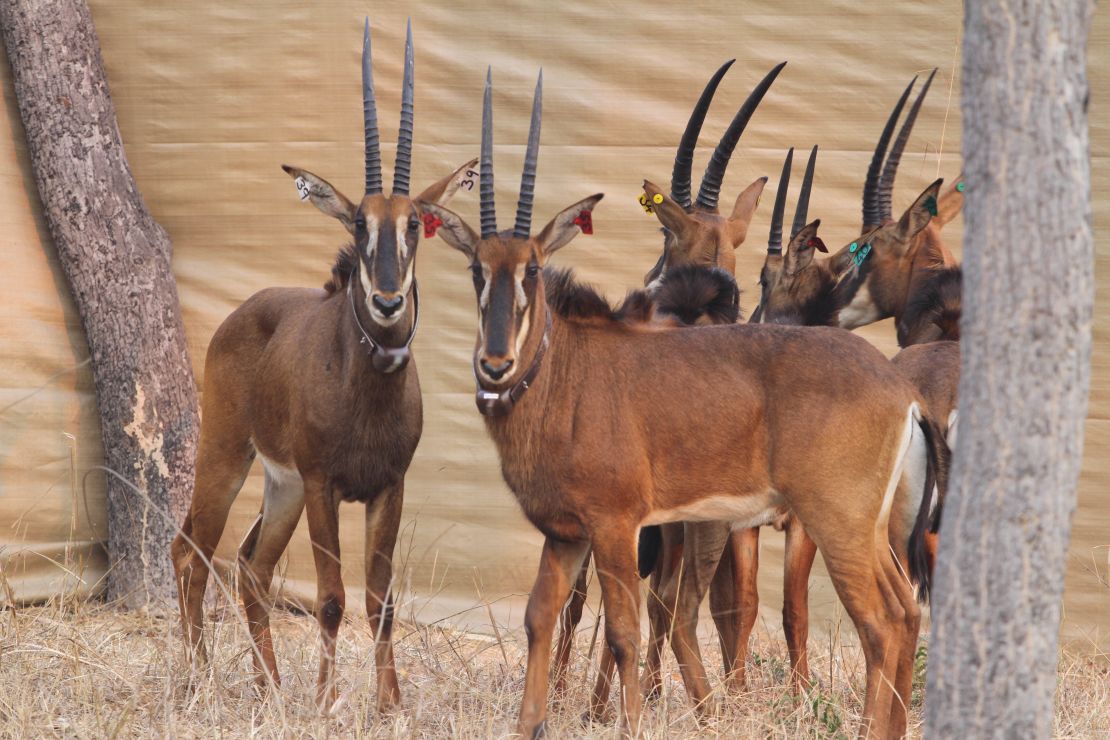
(538, 731)
(597, 715)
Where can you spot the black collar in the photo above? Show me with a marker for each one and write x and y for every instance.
(494, 403)
(386, 359)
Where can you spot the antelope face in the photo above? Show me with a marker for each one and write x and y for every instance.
(888, 252)
(386, 232)
(507, 271)
(700, 236)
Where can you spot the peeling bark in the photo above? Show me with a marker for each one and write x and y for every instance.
(116, 259)
(1025, 374)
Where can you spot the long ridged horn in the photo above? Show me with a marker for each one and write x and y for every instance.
(402, 169)
(801, 212)
(370, 119)
(710, 188)
(890, 169)
(774, 240)
(684, 157)
(523, 227)
(487, 209)
(872, 214)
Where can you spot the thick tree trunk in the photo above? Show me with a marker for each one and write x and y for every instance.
(1026, 339)
(117, 261)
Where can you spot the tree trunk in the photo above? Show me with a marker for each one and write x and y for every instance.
(116, 259)
(1025, 374)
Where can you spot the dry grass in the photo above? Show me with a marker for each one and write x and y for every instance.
(88, 670)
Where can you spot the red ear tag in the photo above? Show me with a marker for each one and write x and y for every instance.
(585, 221)
(431, 223)
(816, 243)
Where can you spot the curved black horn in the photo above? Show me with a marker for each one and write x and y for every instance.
(370, 119)
(403, 166)
(872, 215)
(523, 227)
(802, 210)
(684, 157)
(890, 169)
(487, 211)
(710, 188)
(774, 240)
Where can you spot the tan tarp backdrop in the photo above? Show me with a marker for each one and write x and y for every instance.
(212, 97)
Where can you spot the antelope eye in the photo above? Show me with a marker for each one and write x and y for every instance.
(360, 223)
(414, 224)
(532, 270)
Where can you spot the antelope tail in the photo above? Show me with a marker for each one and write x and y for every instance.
(928, 518)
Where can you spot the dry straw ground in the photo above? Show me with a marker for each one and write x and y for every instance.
(88, 670)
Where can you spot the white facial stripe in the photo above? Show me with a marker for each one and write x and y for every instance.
(523, 333)
(483, 300)
(371, 242)
(518, 279)
(402, 245)
(860, 312)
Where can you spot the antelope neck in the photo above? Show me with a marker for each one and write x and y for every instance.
(500, 403)
(385, 359)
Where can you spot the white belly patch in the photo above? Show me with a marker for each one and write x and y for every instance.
(743, 511)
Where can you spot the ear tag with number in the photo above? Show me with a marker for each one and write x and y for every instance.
(646, 204)
(302, 188)
(469, 179)
(960, 187)
(930, 205)
(816, 243)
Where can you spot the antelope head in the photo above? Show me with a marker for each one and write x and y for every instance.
(867, 279)
(507, 266)
(696, 232)
(385, 228)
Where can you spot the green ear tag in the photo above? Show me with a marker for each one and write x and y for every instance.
(852, 248)
(960, 187)
(931, 205)
(861, 255)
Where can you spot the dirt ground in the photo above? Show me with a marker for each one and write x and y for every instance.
(88, 670)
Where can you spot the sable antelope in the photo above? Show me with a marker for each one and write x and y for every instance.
(869, 279)
(695, 235)
(600, 426)
(320, 385)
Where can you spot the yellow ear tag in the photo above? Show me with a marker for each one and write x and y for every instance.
(657, 198)
(645, 204)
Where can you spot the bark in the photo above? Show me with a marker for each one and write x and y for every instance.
(1025, 373)
(116, 259)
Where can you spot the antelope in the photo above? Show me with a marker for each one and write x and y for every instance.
(695, 235)
(592, 419)
(321, 386)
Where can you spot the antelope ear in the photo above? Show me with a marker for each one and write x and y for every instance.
(800, 251)
(670, 214)
(950, 204)
(465, 177)
(323, 196)
(451, 228)
(918, 216)
(743, 211)
(569, 223)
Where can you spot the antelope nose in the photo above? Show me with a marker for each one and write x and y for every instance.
(496, 371)
(387, 305)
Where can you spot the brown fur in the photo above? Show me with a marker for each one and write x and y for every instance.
(288, 377)
(607, 438)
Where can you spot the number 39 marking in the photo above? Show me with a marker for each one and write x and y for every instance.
(302, 188)
(468, 180)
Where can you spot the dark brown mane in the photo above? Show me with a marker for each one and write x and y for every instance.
(695, 294)
(577, 301)
(345, 263)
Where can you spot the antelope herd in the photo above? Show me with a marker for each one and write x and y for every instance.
(656, 437)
